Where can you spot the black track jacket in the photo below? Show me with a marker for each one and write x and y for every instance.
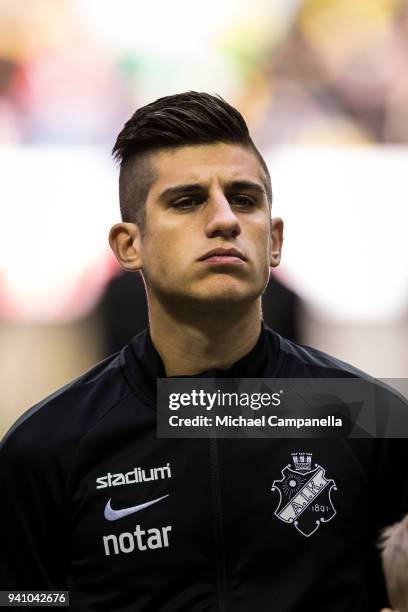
(210, 540)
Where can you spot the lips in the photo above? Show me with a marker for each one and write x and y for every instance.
(220, 253)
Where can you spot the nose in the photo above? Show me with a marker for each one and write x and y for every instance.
(221, 220)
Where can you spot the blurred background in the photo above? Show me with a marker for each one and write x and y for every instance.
(324, 88)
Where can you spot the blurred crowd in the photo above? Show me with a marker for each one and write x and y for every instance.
(319, 72)
(340, 76)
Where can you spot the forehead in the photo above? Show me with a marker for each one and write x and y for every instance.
(204, 163)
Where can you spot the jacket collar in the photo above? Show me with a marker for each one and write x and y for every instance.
(144, 364)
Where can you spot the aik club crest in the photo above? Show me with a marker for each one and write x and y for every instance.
(304, 495)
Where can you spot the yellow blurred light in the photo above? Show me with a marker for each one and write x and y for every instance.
(341, 29)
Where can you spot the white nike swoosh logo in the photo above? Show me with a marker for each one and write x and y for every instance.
(114, 515)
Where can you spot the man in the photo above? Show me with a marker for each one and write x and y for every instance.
(95, 502)
(394, 556)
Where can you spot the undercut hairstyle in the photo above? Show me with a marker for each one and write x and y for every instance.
(394, 545)
(185, 119)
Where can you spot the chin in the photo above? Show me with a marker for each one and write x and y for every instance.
(228, 294)
(218, 292)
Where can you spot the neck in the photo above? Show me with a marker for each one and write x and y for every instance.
(195, 340)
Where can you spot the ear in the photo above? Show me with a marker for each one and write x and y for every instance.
(277, 241)
(125, 242)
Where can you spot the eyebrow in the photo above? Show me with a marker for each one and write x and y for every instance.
(182, 189)
(198, 188)
(246, 186)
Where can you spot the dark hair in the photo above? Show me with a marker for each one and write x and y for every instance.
(184, 119)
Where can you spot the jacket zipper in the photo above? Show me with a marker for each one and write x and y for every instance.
(221, 576)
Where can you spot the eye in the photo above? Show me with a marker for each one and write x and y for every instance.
(187, 203)
(241, 200)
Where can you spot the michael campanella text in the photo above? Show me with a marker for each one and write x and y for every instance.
(240, 421)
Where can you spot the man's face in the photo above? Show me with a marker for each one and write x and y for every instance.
(206, 198)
